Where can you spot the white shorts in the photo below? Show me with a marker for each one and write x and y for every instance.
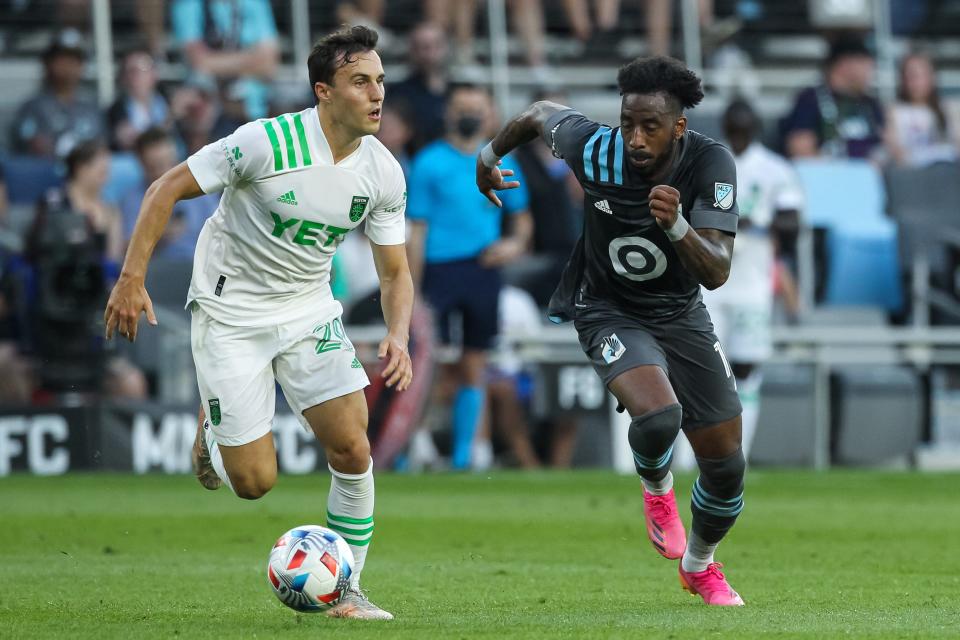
(743, 329)
(238, 368)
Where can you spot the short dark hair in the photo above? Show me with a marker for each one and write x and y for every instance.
(151, 137)
(454, 87)
(661, 74)
(334, 50)
(82, 154)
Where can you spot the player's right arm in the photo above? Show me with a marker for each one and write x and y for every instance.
(519, 130)
(241, 157)
(129, 297)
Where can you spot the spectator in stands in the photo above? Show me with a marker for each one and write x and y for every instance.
(51, 123)
(198, 114)
(4, 201)
(921, 128)
(423, 92)
(88, 167)
(838, 118)
(526, 16)
(16, 380)
(770, 199)
(74, 245)
(235, 42)
(456, 249)
(396, 131)
(157, 153)
(556, 206)
(140, 106)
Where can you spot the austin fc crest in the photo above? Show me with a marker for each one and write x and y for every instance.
(722, 195)
(357, 207)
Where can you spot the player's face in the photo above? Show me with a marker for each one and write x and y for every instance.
(651, 127)
(355, 98)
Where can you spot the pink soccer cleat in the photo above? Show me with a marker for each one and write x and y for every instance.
(711, 585)
(663, 524)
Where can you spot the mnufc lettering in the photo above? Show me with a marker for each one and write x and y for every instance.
(308, 232)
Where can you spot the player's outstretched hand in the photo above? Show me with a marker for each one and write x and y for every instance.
(665, 205)
(127, 301)
(490, 181)
(399, 369)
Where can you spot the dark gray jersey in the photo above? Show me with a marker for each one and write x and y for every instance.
(623, 257)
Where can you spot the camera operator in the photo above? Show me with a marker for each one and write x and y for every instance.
(74, 243)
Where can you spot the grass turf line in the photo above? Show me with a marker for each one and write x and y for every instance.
(856, 554)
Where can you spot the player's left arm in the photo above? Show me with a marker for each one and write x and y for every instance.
(385, 228)
(396, 298)
(705, 243)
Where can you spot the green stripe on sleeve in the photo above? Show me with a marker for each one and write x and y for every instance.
(288, 140)
(347, 520)
(302, 138)
(277, 158)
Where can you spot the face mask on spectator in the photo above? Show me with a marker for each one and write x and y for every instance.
(468, 125)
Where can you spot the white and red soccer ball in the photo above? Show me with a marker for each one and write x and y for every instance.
(309, 568)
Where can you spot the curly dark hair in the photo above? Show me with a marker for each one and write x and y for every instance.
(658, 74)
(334, 50)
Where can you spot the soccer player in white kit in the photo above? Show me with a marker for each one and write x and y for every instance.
(742, 310)
(262, 310)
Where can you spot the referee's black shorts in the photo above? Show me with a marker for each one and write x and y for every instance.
(467, 289)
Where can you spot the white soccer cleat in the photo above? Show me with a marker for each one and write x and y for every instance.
(355, 604)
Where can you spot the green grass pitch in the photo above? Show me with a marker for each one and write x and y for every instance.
(851, 554)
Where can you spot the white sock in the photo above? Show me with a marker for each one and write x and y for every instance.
(481, 455)
(350, 513)
(698, 554)
(215, 458)
(660, 488)
(749, 391)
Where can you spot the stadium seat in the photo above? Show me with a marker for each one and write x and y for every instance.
(786, 424)
(125, 174)
(841, 193)
(27, 178)
(847, 198)
(864, 267)
(877, 414)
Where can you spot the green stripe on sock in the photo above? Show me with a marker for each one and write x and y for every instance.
(277, 158)
(347, 520)
(288, 139)
(302, 138)
(352, 532)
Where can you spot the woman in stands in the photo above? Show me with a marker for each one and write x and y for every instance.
(921, 127)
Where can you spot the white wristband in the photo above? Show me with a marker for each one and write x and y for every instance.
(488, 157)
(678, 230)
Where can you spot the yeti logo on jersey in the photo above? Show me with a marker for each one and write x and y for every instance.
(604, 206)
(214, 410)
(723, 195)
(357, 207)
(612, 348)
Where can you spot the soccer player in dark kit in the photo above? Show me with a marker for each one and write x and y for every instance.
(660, 219)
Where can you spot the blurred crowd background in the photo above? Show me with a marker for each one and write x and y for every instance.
(846, 112)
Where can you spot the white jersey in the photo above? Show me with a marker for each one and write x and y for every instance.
(766, 183)
(264, 257)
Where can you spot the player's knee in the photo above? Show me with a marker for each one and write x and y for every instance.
(722, 478)
(351, 454)
(251, 486)
(658, 426)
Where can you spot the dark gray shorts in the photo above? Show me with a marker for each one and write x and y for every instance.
(685, 348)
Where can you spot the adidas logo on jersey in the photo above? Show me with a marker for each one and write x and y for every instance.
(604, 206)
(288, 198)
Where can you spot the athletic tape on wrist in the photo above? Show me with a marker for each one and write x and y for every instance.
(678, 230)
(488, 157)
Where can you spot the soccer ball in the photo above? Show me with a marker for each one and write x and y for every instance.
(309, 568)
